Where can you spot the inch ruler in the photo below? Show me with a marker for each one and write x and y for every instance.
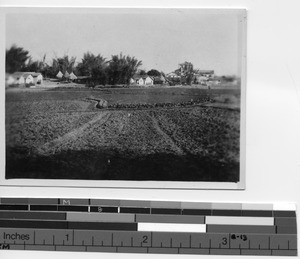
(128, 226)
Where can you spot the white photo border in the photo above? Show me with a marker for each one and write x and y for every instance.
(241, 185)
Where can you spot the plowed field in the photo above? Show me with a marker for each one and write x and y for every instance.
(61, 135)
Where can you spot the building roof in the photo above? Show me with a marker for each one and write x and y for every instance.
(59, 74)
(73, 76)
(18, 75)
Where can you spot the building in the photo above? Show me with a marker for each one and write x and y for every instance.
(141, 80)
(9, 79)
(67, 75)
(205, 73)
(37, 78)
(59, 75)
(23, 78)
(73, 77)
(173, 75)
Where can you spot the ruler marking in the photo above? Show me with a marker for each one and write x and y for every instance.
(180, 246)
(73, 237)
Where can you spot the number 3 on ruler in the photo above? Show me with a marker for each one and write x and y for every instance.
(224, 241)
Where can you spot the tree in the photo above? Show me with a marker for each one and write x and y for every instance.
(142, 72)
(16, 58)
(36, 66)
(93, 66)
(65, 63)
(121, 68)
(62, 64)
(153, 72)
(186, 70)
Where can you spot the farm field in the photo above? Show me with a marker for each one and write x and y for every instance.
(60, 134)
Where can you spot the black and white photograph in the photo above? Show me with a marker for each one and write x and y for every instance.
(132, 94)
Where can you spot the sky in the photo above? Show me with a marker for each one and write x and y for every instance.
(160, 38)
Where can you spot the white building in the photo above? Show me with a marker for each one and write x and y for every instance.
(73, 76)
(37, 78)
(23, 78)
(141, 80)
(59, 75)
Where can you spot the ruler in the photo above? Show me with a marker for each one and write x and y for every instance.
(136, 226)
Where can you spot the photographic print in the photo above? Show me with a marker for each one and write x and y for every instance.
(124, 94)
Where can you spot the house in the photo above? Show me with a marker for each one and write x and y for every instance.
(148, 80)
(23, 78)
(66, 75)
(206, 73)
(37, 78)
(200, 79)
(9, 80)
(172, 75)
(141, 80)
(59, 75)
(73, 76)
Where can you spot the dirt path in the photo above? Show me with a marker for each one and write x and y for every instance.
(73, 135)
(168, 139)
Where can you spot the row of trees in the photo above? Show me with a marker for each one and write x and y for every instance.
(118, 70)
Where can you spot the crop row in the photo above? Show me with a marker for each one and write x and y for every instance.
(206, 132)
(34, 130)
